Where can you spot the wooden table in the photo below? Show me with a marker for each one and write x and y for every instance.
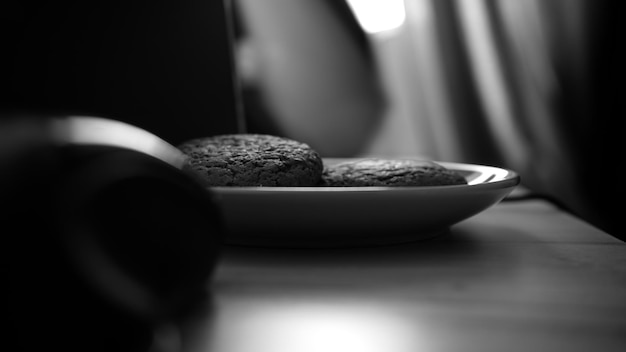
(521, 276)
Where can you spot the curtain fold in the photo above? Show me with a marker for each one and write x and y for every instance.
(518, 84)
(516, 49)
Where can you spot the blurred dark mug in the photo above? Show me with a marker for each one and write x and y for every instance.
(106, 233)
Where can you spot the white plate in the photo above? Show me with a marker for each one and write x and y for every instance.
(356, 216)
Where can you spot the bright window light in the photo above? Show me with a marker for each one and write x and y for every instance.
(378, 15)
(317, 326)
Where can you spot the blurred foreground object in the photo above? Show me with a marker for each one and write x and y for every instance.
(106, 234)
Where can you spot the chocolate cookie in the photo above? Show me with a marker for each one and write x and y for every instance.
(254, 160)
(389, 173)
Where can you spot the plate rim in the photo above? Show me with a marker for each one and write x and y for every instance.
(505, 178)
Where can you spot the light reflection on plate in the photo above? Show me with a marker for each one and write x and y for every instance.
(356, 216)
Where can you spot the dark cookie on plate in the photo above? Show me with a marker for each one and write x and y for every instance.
(389, 173)
(254, 160)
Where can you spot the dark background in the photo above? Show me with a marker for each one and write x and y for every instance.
(165, 66)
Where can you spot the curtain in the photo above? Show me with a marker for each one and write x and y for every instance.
(517, 84)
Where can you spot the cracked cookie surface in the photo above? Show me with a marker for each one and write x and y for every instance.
(254, 160)
(389, 173)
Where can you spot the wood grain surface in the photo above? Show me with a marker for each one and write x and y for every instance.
(521, 276)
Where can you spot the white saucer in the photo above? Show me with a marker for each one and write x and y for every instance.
(357, 216)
